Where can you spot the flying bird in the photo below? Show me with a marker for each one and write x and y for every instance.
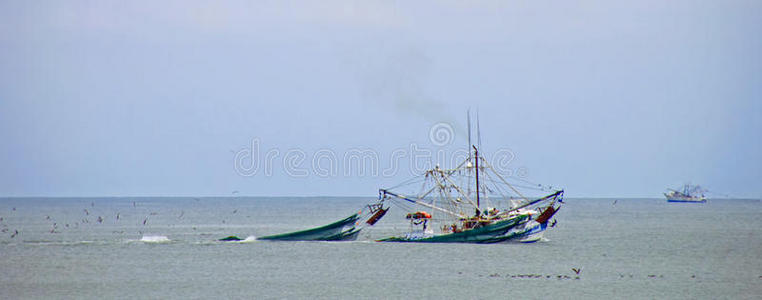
(576, 271)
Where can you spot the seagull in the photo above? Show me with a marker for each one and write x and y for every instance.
(576, 271)
(16, 232)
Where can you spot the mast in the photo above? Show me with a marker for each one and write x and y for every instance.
(476, 156)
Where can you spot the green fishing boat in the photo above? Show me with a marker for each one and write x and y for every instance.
(472, 203)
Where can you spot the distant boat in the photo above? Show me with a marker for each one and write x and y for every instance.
(689, 193)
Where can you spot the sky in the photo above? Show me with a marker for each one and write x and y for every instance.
(340, 98)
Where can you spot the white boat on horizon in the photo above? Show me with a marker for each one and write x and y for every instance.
(689, 193)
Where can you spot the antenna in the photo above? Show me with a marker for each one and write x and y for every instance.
(468, 117)
(478, 133)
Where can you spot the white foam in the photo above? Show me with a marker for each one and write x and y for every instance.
(248, 239)
(155, 239)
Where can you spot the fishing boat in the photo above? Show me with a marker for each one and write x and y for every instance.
(460, 205)
(447, 210)
(688, 193)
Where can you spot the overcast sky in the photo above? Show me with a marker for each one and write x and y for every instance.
(604, 99)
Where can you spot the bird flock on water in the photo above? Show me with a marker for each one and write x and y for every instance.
(89, 217)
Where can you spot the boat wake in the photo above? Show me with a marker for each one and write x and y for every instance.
(155, 239)
(248, 239)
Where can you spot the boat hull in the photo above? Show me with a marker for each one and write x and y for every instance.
(687, 200)
(492, 233)
(678, 197)
(530, 232)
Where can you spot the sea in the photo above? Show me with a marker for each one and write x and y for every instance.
(168, 248)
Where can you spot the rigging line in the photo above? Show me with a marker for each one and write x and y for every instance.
(447, 178)
(497, 187)
(553, 196)
(501, 178)
(525, 181)
(458, 167)
(427, 179)
(403, 205)
(408, 182)
(498, 183)
(423, 204)
(427, 193)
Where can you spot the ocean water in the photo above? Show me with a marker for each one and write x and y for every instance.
(166, 248)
